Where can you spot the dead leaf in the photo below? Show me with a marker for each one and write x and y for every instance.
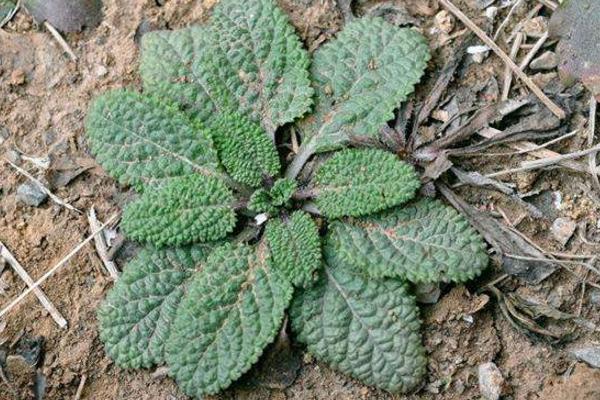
(576, 24)
(66, 15)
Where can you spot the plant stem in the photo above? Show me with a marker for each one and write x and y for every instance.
(307, 149)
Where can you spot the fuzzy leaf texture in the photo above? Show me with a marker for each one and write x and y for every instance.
(269, 201)
(142, 141)
(358, 182)
(246, 152)
(137, 314)
(424, 242)
(231, 312)
(367, 328)
(186, 210)
(295, 247)
(248, 59)
(360, 78)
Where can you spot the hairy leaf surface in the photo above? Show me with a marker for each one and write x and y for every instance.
(232, 311)
(295, 247)
(136, 316)
(140, 140)
(358, 182)
(367, 328)
(360, 78)
(248, 59)
(247, 153)
(186, 210)
(424, 242)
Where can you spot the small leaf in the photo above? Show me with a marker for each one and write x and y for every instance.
(357, 182)
(247, 153)
(282, 191)
(248, 60)
(232, 311)
(143, 141)
(66, 15)
(360, 78)
(136, 316)
(295, 247)
(185, 210)
(424, 242)
(367, 328)
(576, 23)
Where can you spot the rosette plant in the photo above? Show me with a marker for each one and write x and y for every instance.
(235, 239)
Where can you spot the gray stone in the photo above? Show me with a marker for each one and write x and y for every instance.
(548, 60)
(31, 194)
(589, 355)
(491, 381)
(563, 229)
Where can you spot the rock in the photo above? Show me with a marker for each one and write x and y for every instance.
(563, 229)
(17, 78)
(31, 194)
(589, 355)
(427, 293)
(547, 61)
(19, 372)
(101, 71)
(595, 296)
(14, 157)
(491, 381)
(4, 134)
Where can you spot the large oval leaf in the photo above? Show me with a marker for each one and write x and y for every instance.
(367, 328)
(141, 140)
(295, 247)
(232, 311)
(360, 78)
(249, 59)
(185, 210)
(424, 242)
(136, 316)
(359, 182)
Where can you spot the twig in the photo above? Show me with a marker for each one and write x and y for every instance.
(536, 47)
(56, 267)
(508, 76)
(10, 15)
(535, 147)
(550, 4)
(556, 110)
(80, 387)
(591, 133)
(54, 198)
(505, 22)
(101, 246)
(535, 150)
(545, 162)
(61, 41)
(56, 316)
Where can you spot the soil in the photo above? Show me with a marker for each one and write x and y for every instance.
(43, 102)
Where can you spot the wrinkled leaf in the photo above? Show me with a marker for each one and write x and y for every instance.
(576, 23)
(66, 15)
(6, 9)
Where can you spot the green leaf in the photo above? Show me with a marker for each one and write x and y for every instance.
(247, 153)
(185, 210)
(360, 78)
(6, 9)
(282, 191)
(136, 316)
(366, 328)
(249, 59)
(295, 247)
(232, 311)
(140, 140)
(358, 182)
(185, 67)
(424, 242)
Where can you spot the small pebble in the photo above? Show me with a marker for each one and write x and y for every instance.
(490, 381)
(545, 62)
(29, 193)
(563, 229)
(589, 355)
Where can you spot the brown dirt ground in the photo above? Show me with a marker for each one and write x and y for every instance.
(43, 102)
